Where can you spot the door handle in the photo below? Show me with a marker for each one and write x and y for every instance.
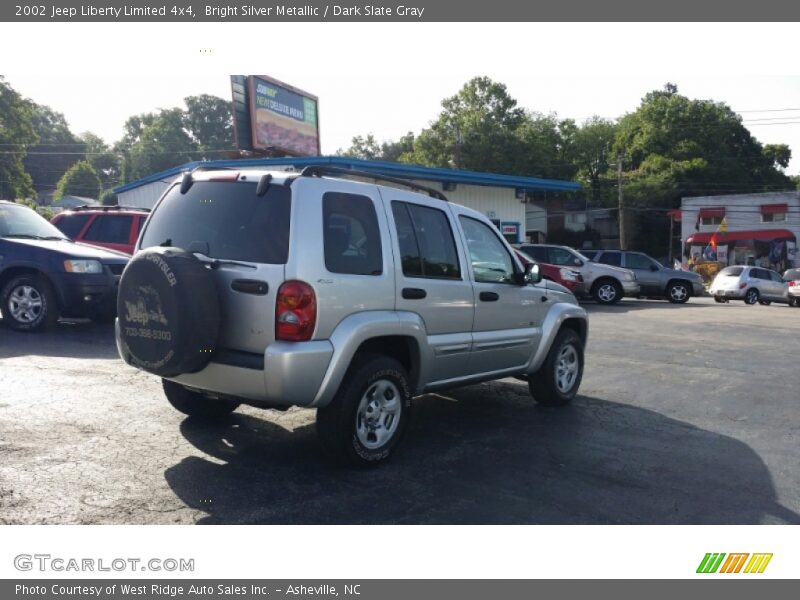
(414, 293)
(489, 296)
(250, 286)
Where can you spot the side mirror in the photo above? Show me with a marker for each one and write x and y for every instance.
(532, 274)
(578, 262)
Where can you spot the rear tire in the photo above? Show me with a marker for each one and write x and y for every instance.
(751, 297)
(369, 414)
(678, 292)
(556, 383)
(196, 405)
(794, 301)
(29, 304)
(607, 291)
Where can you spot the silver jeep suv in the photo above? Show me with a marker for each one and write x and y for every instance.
(312, 289)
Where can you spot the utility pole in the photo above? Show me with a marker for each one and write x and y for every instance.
(622, 240)
(671, 236)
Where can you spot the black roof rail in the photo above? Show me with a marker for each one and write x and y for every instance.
(105, 208)
(320, 170)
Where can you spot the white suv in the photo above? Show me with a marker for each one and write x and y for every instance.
(751, 284)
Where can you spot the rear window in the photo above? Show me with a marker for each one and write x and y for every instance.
(224, 220)
(613, 259)
(537, 253)
(111, 229)
(732, 271)
(72, 225)
(792, 275)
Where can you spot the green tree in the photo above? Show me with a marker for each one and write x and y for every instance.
(672, 146)
(588, 149)
(155, 142)
(477, 129)
(57, 150)
(17, 134)
(363, 147)
(109, 198)
(209, 121)
(102, 158)
(80, 180)
(779, 154)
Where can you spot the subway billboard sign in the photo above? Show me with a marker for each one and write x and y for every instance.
(273, 116)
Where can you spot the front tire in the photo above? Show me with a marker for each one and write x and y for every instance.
(29, 304)
(556, 383)
(196, 405)
(607, 291)
(751, 297)
(369, 414)
(678, 292)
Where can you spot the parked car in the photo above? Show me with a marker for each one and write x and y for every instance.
(44, 275)
(112, 227)
(751, 284)
(569, 278)
(655, 280)
(606, 284)
(280, 289)
(792, 279)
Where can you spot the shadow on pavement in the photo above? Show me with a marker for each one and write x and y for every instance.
(70, 339)
(486, 454)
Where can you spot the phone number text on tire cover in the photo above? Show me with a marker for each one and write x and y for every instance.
(150, 334)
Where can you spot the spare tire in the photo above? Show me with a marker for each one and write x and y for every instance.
(168, 310)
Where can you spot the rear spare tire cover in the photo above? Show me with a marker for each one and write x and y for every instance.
(168, 310)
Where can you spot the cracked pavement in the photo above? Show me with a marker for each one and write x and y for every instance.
(687, 414)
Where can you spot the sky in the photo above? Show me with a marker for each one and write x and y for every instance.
(389, 79)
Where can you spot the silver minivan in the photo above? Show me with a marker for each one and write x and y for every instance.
(751, 284)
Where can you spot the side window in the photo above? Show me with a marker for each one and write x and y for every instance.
(559, 256)
(537, 253)
(351, 235)
(611, 258)
(426, 241)
(775, 277)
(756, 274)
(637, 261)
(491, 263)
(71, 225)
(110, 229)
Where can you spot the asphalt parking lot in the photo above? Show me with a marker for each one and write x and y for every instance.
(687, 414)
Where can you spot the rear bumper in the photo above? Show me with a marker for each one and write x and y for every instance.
(287, 374)
(735, 294)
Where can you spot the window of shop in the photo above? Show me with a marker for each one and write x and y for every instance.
(776, 217)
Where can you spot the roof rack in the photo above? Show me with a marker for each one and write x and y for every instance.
(106, 208)
(320, 170)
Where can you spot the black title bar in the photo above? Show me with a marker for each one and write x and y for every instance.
(394, 11)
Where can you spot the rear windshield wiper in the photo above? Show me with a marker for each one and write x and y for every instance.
(29, 236)
(216, 262)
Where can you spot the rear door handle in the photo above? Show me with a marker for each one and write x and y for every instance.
(489, 296)
(250, 286)
(414, 293)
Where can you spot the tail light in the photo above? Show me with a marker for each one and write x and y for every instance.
(794, 283)
(295, 312)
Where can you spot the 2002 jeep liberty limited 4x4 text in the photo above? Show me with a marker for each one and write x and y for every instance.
(319, 289)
